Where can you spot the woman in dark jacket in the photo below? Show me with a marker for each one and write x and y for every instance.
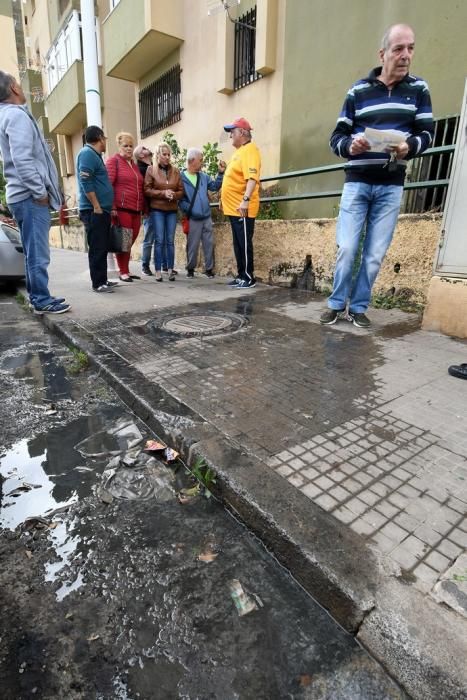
(129, 202)
(163, 186)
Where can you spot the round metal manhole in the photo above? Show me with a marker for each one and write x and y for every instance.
(202, 323)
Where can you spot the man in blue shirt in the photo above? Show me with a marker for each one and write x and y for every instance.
(388, 99)
(95, 206)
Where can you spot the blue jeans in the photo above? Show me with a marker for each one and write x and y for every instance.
(34, 224)
(146, 248)
(378, 205)
(163, 224)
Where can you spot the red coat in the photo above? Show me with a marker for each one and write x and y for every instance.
(127, 183)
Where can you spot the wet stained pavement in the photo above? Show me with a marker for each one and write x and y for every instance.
(111, 600)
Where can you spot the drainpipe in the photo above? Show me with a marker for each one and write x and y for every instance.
(91, 74)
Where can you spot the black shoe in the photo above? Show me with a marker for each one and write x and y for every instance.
(103, 289)
(125, 278)
(190, 273)
(171, 277)
(209, 274)
(360, 320)
(135, 277)
(109, 283)
(246, 284)
(145, 270)
(330, 316)
(459, 371)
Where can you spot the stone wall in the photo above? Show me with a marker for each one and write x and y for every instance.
(282, 246)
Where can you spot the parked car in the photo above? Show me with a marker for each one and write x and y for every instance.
(11, 254)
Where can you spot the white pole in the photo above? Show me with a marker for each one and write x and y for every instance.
(91, 74)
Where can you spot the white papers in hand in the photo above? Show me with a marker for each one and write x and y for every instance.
(382, 141)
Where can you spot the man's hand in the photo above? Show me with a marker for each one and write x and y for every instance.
(359, 145)
(243, 208)
(98, 210)
(401, 150)
(44, 202)
(221, 166)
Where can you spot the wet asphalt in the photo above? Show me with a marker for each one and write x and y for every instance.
(133, 598)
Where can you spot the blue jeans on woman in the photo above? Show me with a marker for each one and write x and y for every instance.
(34, 223)
(379, 206)
(163, 224)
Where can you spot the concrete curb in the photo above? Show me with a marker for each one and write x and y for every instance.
(414, 639)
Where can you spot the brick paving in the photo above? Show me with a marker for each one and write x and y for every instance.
(368, 425)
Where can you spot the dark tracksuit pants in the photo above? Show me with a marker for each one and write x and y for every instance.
(97, 228)
(243, 229)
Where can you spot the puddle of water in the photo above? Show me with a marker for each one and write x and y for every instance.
(43, 371)
(66, 547)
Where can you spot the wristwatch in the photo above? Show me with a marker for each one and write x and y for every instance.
(245, 198)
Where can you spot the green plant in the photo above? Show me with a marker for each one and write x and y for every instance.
(80, 361)
(205, 475)
(269, 210)
(21, 299)
(178, 153)
(211, 154)
(386, 301)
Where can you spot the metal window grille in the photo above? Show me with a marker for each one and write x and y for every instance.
(244, 57)
(433, 167)
(160, 102)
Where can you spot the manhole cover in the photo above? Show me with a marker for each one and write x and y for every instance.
(202, 323)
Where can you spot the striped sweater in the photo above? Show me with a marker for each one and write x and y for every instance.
(406, 106)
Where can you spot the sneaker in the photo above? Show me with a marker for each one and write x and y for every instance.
(103, 289)
(145, 270)
(330, 316)
(109, 283)
(209, 274)
(234, 282)
(53, 308)
(190, 273)
(360, 320)
(246, 284)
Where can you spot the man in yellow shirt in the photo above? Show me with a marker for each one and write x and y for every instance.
(240, 199)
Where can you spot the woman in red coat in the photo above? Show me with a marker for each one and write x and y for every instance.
(129, 202)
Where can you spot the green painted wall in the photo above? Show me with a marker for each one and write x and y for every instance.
(332, 43)
(5, 8)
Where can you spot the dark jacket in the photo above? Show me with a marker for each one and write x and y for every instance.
(201, 208)
(156, 181)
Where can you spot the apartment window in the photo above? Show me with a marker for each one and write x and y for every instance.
(245, 43)
(160, 102)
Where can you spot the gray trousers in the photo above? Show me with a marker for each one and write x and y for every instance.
(200, 231)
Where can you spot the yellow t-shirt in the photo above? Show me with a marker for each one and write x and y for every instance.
(244, 165)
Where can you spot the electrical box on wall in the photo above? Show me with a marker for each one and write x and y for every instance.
(452, 254)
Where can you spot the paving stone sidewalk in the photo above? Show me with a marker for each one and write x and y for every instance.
(368, 425)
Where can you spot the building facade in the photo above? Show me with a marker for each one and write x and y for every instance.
(189, 66)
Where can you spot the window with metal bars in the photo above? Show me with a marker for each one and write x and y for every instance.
(160, 102)
(244, 57)
(433, 167)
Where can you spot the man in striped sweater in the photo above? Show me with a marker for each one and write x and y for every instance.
(389, 98)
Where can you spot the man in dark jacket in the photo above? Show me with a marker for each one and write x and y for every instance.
(388, 99)
(199, 211)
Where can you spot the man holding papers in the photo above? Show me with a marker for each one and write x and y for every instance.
(386, 120)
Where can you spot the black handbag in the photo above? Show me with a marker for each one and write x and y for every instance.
(120, 239)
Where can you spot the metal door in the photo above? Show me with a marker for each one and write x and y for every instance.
(452, 253)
